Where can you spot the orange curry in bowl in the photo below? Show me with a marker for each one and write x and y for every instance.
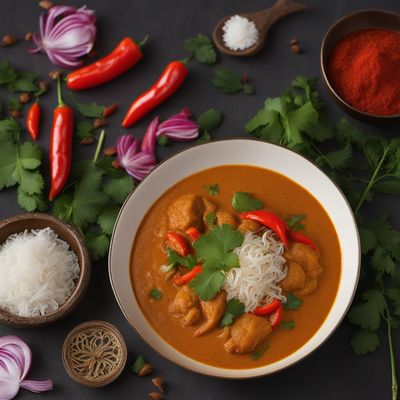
(236, 266)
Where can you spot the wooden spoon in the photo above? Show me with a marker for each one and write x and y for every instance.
(263, 20)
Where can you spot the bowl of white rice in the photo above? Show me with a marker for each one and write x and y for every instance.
(44, 270)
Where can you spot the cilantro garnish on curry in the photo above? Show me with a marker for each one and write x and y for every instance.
(239, 279)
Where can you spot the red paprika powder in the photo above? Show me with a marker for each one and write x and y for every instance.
(364, 70)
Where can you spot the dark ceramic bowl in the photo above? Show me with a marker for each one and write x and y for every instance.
(67, 233)
(364, 19)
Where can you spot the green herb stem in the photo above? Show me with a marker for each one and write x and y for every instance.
(59, 94)
(99, 146)
(372, 182)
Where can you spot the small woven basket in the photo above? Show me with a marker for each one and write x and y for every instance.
(94, 354)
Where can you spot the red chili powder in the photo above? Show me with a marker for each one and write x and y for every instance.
(364, 70)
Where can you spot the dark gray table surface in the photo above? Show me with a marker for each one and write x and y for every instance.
(332, 372)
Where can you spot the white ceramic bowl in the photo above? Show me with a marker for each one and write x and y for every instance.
(245, 152)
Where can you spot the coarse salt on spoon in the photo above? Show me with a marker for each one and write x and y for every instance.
(263, 21)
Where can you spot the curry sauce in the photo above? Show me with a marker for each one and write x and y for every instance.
(279, 195)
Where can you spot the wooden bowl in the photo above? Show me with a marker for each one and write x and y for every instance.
(94, 353)
(67, 233)
(364, 19)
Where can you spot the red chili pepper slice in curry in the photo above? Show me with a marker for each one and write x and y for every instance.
(276, 318)
(32, 120)
(270, 220)
(193, 233)
(300, 238)
(267, 308)
(186, 278)
(167, 84)
(60, 145)
(123, 57)
(177, 243)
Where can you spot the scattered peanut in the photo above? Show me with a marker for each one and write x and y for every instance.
(87, 140)
(14, 113)
(116, 164)
(294, 45)
(46, 4)
(99, 122)
(24, 98)
(158, 383)
(28, 36)
(147, 369)
(54, 75)
(43, 86)
(155, 395)
(110, 151)
(109, 110)
(8, 40)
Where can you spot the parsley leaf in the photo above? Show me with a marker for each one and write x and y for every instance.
(174, 259)
(107, 219)
(234, 308)
(138, 364)
(364, 341)
(84, 130)
(16, 81)
(201, 48)
(97, 243)
(119, 188)
(212, 190)
(229, 82)
(295, 222)
(208, 283)
(156, 294)
(243, 201)
(292, 302)
(9, 130)
(92, 110)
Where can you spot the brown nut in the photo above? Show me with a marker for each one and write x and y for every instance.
(155, 395)
(99, 122)
(115, 164)
(54, 75)
(296, 48)
(46, 4)
(109, 110)
(28, 36)
(24, 98)
(147, 369)
(8, 40)
(158, 383)
(14, 113)
(87, 140)
(110, 151)
(293, 41)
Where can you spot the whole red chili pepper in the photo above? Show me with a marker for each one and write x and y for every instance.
(300, 238)
(32, 120)
(124, 56)
(167, 84)
(60, 145)
(184, 279)
(270, 220)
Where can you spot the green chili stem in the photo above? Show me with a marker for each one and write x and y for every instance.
(99, 146)
(59, 95)
(371, 182)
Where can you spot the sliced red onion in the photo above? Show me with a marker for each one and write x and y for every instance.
(15, 363)
(149, 139)
(127, 147)
(179, 127)
(66, 34)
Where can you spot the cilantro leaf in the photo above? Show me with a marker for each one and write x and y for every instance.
(203, 138)
(337, 159)
(9, 130)
(210, 120)
(382, 261)
(156, 294)
(243, 201)
(292, 302)
(7, 73)
(107, 219)
(394, 296)
(367, 314)
(234, 308)
(31, 202)
(174, 258)
(92, 110)
(364, 342)
(23, 82)
(208, 283)
(8, 161)
(368, 240)
(211, 218)
(84, 130)
(201, 48)
(295, 222)
(213, 189)
(119, 188)
(288, 325)
(229, 82)
(266, 125)
(138, 364)
(390, 186)
(97, 243)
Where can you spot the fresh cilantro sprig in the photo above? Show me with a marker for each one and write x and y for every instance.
(243, 201)
(215, 251)
(292, 302)
(234, 308)
(362, 165)
(212, 189)
(16, 81)
(91, 110)
(295, 222)
(230, 82)
(175, 259)
(156, 294)
(201, 48)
